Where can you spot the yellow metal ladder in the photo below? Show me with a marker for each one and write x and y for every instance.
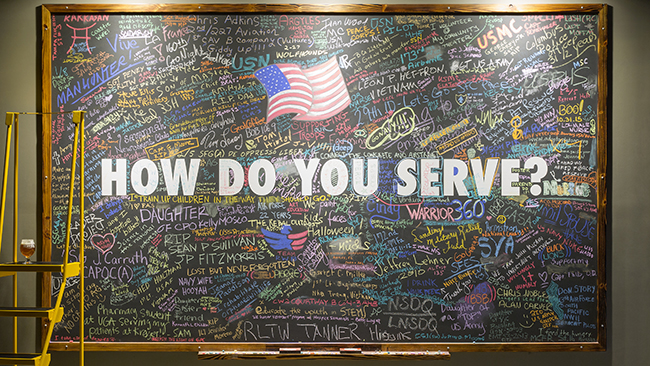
(68, 269)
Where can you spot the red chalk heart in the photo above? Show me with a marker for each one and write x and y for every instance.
(103, 243)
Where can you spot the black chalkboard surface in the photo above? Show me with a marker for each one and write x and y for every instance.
(372, 175)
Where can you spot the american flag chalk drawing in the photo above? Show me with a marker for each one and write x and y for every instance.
(314, 93)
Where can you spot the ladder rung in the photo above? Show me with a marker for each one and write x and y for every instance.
(5, 273)
(52, 314)
(36, 359)
(71, 269)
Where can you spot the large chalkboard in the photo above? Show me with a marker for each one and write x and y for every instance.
(409, 175)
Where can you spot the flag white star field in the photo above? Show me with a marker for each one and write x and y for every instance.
(314, 94)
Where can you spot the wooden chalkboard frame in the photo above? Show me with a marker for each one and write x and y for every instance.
(47, 11)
